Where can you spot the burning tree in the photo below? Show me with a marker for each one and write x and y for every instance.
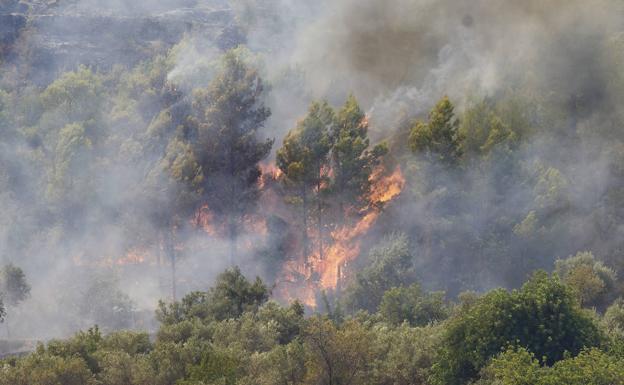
(174, 187)
(212, 154)
(328, 155)
(304, 160)
(352, 160)
(223, 133)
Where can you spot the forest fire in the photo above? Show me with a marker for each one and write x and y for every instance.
(134, 256)
(301, 278)
(270, 172)
(327, 272)
(385, 189)
(203, 219)
(346, 246)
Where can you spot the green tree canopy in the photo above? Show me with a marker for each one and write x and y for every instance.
(224, 134)
(391, 265)
(231, 296)
(13, 285)
(352, 159)
(543, 316)
(410, 304)
(304, 160)
(520, 367)
(594, 283)
(439, 139)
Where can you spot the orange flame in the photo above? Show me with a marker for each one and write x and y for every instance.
(327, 273)
(300, 279)
(254, 224)
(203, 218)
(386, 188)
(133, 257)
(346, 246)
(270, 172)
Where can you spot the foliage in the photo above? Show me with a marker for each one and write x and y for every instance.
(535, 335)
(231, 296)
(519, 367)
(45, 369)
(104, 304)
(411, 305)
(216, 366)
(77, 95)
(352, 160)
(614, 317)
(14, 287)
(482, 130)
(305, 150)
(543, 317)
(223, 133)
(391, 265)
(594, 283)
(338, 356)
(304, 160)
(440, 138)
(404, 355)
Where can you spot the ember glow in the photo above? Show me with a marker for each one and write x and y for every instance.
(134, 256)
(203, 219)
(270, 172)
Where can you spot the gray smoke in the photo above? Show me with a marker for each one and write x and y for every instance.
(398, 57)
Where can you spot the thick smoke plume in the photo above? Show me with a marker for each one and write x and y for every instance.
(398, 57)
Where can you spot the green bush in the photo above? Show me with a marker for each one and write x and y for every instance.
(543, 316)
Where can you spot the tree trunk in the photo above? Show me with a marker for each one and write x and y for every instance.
(170, 252)
(232, 199)
(320, 216)
(159, 256)
(232, 234)
(428, 241)
(304, 198)
(173, 278)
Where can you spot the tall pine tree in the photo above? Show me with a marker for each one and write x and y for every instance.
(224, 134)
(304, 159)
(352, 160)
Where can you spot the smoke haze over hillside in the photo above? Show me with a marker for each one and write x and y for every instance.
(552, 70)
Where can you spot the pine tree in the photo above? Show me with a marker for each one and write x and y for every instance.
(439, 139)
(352, 161)
(304, 159)
(224, 135)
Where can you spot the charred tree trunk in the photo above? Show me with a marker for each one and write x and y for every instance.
(320, 214)
(170, 253)
(173, 277)
(428, 240)
(232, 200)
(305, 241)
(159, 256)
(232, 235)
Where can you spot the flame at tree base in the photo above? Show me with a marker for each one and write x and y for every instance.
(304, 279)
